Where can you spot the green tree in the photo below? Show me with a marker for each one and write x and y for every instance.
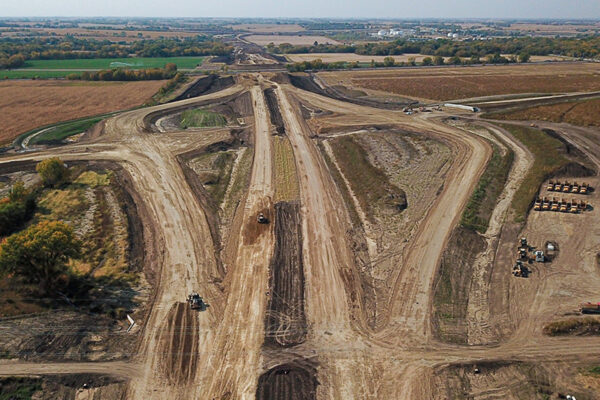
(40, 254)
(171, 68)
(455, 60)
(389, 62)
(524, 57)
(53, 172)
(438, 60)
(427, 61)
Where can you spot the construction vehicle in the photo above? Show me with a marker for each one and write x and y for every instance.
(539, 256)
(196, 302)
(563, 206)
(524, 243)
(538, 204)
(557, 187)
(261, 219)
(545, 204)
(555, 204)
(520, 270)
(575, 188)
(550, 186)
(566, 187)
(533, 125)
(574, 209)
(584, 188)
(582, 205)
(590, 308)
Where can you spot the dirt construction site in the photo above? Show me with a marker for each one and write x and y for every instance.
(343, 247)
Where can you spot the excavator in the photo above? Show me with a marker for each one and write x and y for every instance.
(196, 302)
(261, 219)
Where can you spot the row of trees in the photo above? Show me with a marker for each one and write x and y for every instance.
(125, 74)
(586, 47)
(389, 61)
(73, 48)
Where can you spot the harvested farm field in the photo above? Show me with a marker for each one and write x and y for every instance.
(451, 83)
(27, 105)
(263, 40)
(582, 113)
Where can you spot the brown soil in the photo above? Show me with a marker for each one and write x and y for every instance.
(286, 321)
(48, 102)
(206, 85)
(180, 344)
(582, 113)
(296, 381)
(274, 113)
(452, 283)
(67, 387)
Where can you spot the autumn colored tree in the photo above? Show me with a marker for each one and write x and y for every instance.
(16, 209)
(40, 253)
(53, 172)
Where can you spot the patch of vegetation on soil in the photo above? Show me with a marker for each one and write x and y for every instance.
(239, 182)
(548, 159)
(452, 282)
(583, 113)
(197, 118)
(586, 326)
(214, 170)
(19, 388)
(370, 184)
(481, 205)
(286, 181)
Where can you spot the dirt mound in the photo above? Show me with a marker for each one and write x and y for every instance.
(274, 111)
(286, 321)
(206, 85)
(179, 343)
(288, 381)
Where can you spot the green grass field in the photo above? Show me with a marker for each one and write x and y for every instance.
(201, 119)
(25, 74)
(65, 130)
(107, 63)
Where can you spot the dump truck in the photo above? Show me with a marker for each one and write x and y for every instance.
(563, 206)
(582, 205)
(550, 186)
(555, 204)
(196, 302)
(575, 188)
(261, 219)
(546, 204)
(574, 209)
(566, 187)
(584, 188)
(590, 308)
(557, 187)
(538, 204)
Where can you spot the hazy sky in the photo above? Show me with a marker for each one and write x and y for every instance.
(307, 8)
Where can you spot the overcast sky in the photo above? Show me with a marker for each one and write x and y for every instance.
(307, 8)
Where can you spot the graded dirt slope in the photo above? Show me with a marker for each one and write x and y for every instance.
(30, 104)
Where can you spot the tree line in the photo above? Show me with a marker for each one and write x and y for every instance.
(126, 74)
(581, 47)
(318, 64)
(14, 52)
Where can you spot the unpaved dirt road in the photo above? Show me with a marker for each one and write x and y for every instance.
(219, 353)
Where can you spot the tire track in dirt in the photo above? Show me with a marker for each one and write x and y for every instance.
(180, 335)
(286, 321)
